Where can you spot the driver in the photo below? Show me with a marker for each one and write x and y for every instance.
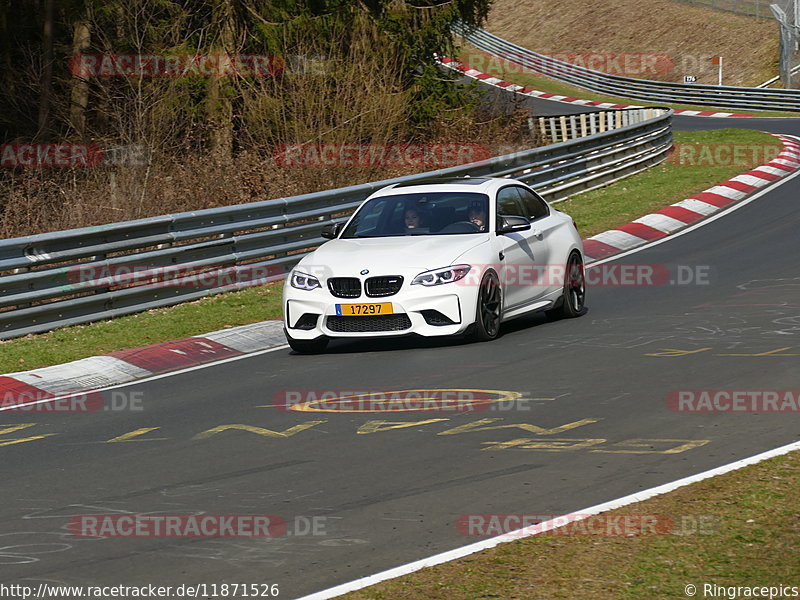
(477, 216)
(413, 219)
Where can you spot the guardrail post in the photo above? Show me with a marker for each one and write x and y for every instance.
(543, 127)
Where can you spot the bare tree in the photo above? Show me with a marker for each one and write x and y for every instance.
(219, 103)
(79, 85)
(47, 72)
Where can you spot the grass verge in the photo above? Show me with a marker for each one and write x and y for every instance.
(594, 212)
(492, 65)
(736, 529)
(671, 181)
(151, 327)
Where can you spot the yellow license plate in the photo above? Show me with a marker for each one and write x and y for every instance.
(362, 310)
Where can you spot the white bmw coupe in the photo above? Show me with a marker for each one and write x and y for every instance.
(439, 257)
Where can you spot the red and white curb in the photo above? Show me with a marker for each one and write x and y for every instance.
(98, 372)
(687, 212)
(519, 89)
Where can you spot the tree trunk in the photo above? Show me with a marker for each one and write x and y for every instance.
(47, 71)
(6, 60)
(79, 92)
(219, 105)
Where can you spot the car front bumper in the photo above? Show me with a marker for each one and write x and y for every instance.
(427, 311)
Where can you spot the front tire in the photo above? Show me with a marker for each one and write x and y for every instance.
(316, 346)
(489, 311)
(573, 298)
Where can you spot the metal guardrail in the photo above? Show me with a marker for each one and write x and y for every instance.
(64, 278)
(628, 87)
(568, 127)
(753, 8)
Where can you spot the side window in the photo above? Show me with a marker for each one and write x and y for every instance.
(508, 202)
(536, 208)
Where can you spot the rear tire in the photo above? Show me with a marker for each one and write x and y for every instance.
(489, 311)
(316, 346)
(572, 301)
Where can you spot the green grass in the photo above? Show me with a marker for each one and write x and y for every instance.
(664, 184)
(594, 211)
(521, 76)
(151, 327)
(749, 535)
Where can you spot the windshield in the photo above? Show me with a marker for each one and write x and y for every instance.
(438, 213)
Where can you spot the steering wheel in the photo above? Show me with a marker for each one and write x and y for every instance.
(460, 227)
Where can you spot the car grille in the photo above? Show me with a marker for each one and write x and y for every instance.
(345, 287)
(397, 322)
(377, 287)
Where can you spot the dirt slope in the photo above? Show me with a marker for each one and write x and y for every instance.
(664, 39)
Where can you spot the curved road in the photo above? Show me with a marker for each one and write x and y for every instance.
(595, 425)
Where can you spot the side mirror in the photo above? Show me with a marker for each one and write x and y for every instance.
(331, 230)
(510, 224)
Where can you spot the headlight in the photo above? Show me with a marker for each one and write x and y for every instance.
(302, 281)
(443, 275)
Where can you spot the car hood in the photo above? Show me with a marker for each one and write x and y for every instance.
(391, 254)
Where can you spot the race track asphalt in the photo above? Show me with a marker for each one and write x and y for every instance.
(590, 423)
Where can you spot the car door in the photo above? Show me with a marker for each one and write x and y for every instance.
(543, 227)
(522, 254)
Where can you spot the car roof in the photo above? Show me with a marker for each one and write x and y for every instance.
(449, 184)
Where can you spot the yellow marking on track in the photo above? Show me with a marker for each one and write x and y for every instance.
(12, 428)
(482, 425)
(646, 446)
(768, 353)
(376, 426)
(133, 436)
(18, 427)
(27, 439)
(258, 430)
(547, 445)
(676, 352)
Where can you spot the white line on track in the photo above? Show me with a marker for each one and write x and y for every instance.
(580, 515)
